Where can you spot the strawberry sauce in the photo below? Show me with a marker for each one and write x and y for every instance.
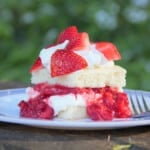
(101, 103)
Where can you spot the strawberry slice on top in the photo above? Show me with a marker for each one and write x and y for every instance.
(68, 34)
(80, 42)
(37, 65)
(109, 50)
(77, 40)
(64, 62)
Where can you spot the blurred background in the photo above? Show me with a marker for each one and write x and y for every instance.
(26, 26)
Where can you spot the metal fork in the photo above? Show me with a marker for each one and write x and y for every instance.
(139, 103)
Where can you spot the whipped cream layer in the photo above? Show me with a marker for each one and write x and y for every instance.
(62, 103)
(92, 56)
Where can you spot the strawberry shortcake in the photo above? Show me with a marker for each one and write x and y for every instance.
(76, 79)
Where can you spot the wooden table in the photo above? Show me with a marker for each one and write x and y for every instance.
(20, 137)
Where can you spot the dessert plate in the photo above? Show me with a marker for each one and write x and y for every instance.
(9, 113)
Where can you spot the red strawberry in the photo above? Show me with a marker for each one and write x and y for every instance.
(77, 41)
(37, 65)
(47, 112)
(67, 34)
(81, 41)
(109, 50)
(122, 109)
(36, 108)
(99, 111)
(64, 62)
(109, 99)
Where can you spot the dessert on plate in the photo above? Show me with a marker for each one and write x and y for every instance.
(75, 78)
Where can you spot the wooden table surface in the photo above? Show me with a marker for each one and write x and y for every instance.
(20, 137)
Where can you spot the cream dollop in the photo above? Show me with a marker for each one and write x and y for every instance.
(62, 102)
(92, 56)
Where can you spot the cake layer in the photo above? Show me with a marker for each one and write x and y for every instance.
(73, 113)
(101, 76)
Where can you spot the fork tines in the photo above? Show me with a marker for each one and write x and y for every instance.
(139, 101)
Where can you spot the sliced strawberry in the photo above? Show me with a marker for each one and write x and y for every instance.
(67, 34)
(37, 65)
(99, 111)
(109, 99)
(36, 108)
(109, 50)
(81, 41)
(122, 109)
(77, 41)
(64, 62)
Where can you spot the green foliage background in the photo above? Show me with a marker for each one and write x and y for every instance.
(26, 26)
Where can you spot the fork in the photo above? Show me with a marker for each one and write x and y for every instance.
(139, 103)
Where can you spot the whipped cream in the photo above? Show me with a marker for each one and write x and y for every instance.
(59, 102)
(62, 102)
(92, 56)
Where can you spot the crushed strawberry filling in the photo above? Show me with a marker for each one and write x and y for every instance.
(109, 105)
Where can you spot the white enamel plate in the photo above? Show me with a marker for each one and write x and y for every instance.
(9, 113)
